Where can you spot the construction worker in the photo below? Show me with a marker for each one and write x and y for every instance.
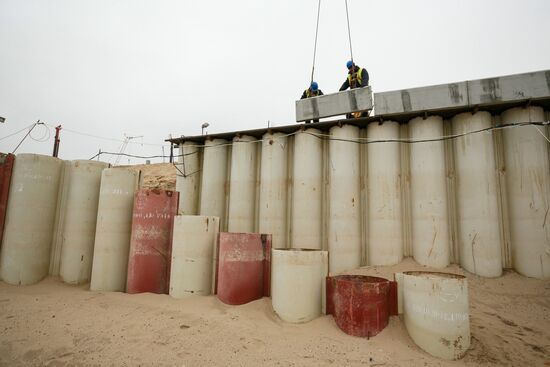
(357, 78)
(312, 91)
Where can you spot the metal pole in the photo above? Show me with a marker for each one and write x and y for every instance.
(56, 141)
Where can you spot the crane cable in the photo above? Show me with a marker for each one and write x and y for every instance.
(349, 32)
(315, 44)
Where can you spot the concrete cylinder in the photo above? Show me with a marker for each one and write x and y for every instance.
(30, 216)
(242, 185)
(274, 188)
(307, 191)
(429, 217)
(385, 234)
(528, 191)
(298, 283)
(151, 241)
(477, 196)
(78, 232)
(344, 223)
(113, 229)
(193, 255)
(436, 313)
(188, 178)
(214, 176)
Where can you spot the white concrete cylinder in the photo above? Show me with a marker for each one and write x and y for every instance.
(477, 196)
(193, 255)
(78, 233)
(274, 188)
(429, 217)
(30, 216)
(214, 177)
(307, 191)
(528, 191)
(436, 313)
(385, 234)
(113, 229)
(242, 185)
(298, 283)
(188, 178)
(344, 222)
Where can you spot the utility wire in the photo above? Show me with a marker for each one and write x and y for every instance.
(315, 44)
(349, 31)
(17, 132)
(105, 138)
(426, 140)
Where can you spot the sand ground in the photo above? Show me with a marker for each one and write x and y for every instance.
(54, 324)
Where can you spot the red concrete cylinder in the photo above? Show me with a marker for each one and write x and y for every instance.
(6, 168)
(244, 267)
(359, 303)
(151, 241)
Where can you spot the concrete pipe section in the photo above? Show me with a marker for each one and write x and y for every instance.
(83, 179)
(242, 185)
(307, 191)
(193, 255)
(113, 229)
(344, 220)
(430, 228)
(188, 178)
(477, 196)
(528, 191)
(274, 188)
(361, 305)
(214, 177)
(298, 283)
(244, 267)
(30, 217)
(6, 169)
(436, 312)
(151, 241)
(385, 230)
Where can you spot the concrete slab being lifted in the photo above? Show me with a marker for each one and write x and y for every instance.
(482, 92)
(335, 104)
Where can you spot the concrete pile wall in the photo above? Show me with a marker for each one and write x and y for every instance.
(481, 200)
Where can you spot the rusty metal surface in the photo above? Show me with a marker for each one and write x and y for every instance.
(359, 304)
(244, 267)
(6, 168)
(151, 241)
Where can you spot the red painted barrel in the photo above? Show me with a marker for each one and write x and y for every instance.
(244, 267)
(6, 168)
(360, 304)
(151, 241)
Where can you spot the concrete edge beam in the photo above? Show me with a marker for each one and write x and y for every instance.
(354, 100)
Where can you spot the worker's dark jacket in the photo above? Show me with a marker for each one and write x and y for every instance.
(309, 93)
(357, 77)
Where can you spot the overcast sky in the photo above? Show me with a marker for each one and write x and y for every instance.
(154, 68)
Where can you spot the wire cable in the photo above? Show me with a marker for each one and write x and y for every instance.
(18, 131)
(315, 44)
(45, 137)
(349, 32)
(105, 138)
(541, 133)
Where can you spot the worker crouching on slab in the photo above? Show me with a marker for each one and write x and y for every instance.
(358, 77)
(312, 91)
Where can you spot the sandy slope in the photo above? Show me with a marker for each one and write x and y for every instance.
(56, 324)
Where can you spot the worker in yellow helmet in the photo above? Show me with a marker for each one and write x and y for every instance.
(312, 91)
